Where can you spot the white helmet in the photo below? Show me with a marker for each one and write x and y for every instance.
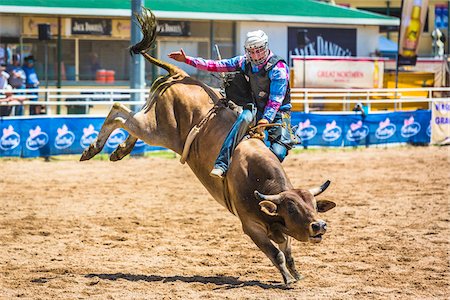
(257, 47)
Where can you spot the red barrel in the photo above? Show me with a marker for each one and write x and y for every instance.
(100, 76)
(110, 76)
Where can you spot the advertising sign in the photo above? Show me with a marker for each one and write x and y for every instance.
(84, 26)
(441, 16)
(440, 123)
(56, 136)
(24, 137)
(413, 19)
(322, 42)
(356, 130)
(121, 28)
(174, 28)
(30, 25)
(338, 72)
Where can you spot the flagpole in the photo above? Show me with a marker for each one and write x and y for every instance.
(398, 54)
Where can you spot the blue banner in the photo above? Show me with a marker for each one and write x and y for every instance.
(355, 129)
(34, 137)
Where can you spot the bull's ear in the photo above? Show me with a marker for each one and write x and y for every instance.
(269, 207)
(325, 205)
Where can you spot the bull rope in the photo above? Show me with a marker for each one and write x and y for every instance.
(196, 129)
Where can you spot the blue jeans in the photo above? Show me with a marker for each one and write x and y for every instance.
(278, 149)
(280, 139)
(18, 109)
(237, 132)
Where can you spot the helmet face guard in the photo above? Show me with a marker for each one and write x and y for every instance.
(256, 47)
(257, 55)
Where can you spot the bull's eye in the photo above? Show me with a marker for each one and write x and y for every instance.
(292, 208)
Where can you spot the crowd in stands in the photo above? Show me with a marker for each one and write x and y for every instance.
(14, 76)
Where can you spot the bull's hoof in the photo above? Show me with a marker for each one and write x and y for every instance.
(289, 281)
(299, 277)
(85, 156)
(121, 151)
(116, 156)
(88, 153)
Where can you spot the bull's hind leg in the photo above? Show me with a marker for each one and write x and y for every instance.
(123, 149)
(119, 116)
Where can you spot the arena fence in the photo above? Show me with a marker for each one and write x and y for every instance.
(66, 133)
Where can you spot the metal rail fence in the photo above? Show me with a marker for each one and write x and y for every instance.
(306, 100)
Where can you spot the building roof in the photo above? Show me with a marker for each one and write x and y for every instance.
(297, 11)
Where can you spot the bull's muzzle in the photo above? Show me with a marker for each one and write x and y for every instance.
(316, 230)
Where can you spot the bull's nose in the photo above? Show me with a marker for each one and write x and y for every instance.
(319, 227)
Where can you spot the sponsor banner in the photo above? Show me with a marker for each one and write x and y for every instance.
(354, 130)
(322, 41)
(56, 136)
(174, 28)
(338, 72)
(441, 16)
(440, 123)
(121, 28)
(413, 19)
(91, 26)
(30, 25)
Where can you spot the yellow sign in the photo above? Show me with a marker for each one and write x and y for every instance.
(121, 28)
(440, 123)
(30, 25)
(413, 19)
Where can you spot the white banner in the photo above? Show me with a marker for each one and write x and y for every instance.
(440, 123)
(338, 73)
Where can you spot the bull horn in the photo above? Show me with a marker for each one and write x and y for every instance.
(274, 198)
(319, 190)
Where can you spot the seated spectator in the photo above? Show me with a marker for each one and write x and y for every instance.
(10, 98)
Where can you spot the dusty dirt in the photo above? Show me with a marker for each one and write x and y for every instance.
(147, 229)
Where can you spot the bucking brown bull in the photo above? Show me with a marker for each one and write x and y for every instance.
(256, 188)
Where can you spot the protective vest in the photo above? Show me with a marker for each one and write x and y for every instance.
(260, 83)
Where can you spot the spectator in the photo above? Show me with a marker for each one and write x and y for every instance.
(32, 82)
(16, 79)
(4, 76)
(95, 64)
(5, 110)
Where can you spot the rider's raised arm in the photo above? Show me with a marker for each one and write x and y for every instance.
(224, 65)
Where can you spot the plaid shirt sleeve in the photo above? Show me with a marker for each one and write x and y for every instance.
(224, 65)
(279, 78)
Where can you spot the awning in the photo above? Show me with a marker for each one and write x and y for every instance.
(385, 45)
(296, 11)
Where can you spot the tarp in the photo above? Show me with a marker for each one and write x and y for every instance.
(35, 137)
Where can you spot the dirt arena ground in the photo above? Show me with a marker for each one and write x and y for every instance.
(147, 229)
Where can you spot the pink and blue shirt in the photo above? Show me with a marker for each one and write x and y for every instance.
(278, 75)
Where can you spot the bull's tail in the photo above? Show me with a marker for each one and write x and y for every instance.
(148, 23)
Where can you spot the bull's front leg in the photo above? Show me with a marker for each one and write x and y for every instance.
(120, 116)
(285, 247)
(260, 237)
